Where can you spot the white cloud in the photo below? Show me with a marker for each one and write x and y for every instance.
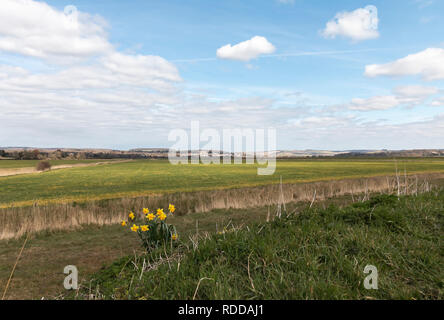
(414, 95)
(360, 24)
(348, 132)
(402, 96)
(322, 122)
(102, 97)
(429, 64)
(438, 102)
(286, 1)
(415, 91)
(113, 99)
(374, 103)
(246, 50)
(125, 100)
(141, 70)
(36, 29)
(112, 71)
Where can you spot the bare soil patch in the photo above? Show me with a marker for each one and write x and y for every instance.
(29, 170)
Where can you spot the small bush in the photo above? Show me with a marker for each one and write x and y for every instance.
(43, 165)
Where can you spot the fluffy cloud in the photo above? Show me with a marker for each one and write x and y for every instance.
(100, 98)
(415, 91)
(124, 100)
(113, 71)
(35, 29)
(112, 98)
(414, 95)
(141, 70)
(351, 133)
(429, 64)
(360, 24)
(246, 50)
(403, 96)
(43, 110)
(374, 103)
(322, 123)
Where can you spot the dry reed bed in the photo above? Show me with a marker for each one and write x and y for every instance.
(15, 222)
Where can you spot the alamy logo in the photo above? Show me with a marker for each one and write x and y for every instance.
(371, 281)
(71, 281)
(71, 12)
(253, 145)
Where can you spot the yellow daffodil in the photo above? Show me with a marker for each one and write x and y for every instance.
(150, 216)
(131, 215)
(146, 211)
(123, 223)
(159, 212)
(162, 216)
(135, 228)
(144, 228)
(174, 237)
(172, 208)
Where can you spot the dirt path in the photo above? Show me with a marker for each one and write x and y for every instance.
(28, 170)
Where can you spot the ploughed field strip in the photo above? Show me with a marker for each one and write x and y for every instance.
(145, 177)
(15, 167)
(16, 164)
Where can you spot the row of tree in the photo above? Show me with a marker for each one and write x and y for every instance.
(75, 155)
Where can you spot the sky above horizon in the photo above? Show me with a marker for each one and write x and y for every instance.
(336, 75)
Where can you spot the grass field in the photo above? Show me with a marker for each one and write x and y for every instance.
(39, 272)
(145, 177)
(315, 253)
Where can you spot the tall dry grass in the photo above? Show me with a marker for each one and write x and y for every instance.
(15, 222)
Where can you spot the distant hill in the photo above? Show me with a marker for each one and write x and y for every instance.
(30, 153)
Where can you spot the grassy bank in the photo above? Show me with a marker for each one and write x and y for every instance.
(145, 177)
(314, 253)
(39, 272)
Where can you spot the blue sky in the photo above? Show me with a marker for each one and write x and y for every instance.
(312, 85)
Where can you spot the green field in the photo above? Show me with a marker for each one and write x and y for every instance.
(145, 177)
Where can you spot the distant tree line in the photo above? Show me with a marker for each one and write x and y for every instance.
(76, 155)
(58, 154)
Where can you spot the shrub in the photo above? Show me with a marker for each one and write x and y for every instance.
(43, 165)
(152, 230)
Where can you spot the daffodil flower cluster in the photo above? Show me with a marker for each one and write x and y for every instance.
(152, 229)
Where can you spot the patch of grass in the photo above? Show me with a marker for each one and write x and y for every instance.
(39, 272)
(144, 177)
(317, 253)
